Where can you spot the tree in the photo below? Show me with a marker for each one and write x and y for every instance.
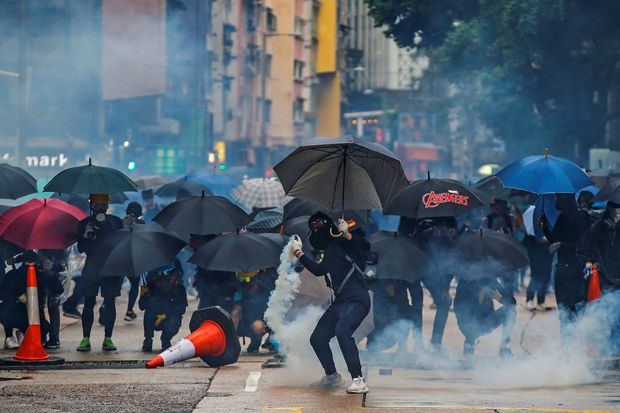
(541, 70)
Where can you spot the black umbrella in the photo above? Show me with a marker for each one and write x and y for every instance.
(400, 258)
(238, 252)
(4, 208)
(132, 251)
(265, 221)
(90, 179)
(342, 174)
(8, 250)
(183, 186)
(15, 182)
(202, 215)
(609, 191)
(298, 207)
(486, 253)
(490, 188)
(299, 226)
(431, 197)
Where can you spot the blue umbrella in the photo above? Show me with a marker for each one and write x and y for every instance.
(218, 183)
(544, 174)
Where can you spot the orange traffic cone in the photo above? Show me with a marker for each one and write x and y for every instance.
(31, 348)
(213, 338)
(31, 351)
(594, 285)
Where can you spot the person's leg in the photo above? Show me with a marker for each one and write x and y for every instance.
(134, 282)
(53, 308)
(543, 287)
(88, 315)
(70, 306)
(324, 331)
(109, 315)
(350, 317)
(439, 287)
(170, 329)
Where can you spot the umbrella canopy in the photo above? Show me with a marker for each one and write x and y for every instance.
(4, 208)
(132, 251)
(266, 221)
(90, 179)
(299, 226)
(297, 207)
(218, 183)
(202, 215)
(399, 256)
(609, 191)
(15, 182)
(544, 174)
(151, 181)
(238, 252)
(431, 197)
(259, 193)
(342, 174)
(494, 251)
(492, 188)
(182, 185)
(41, 224)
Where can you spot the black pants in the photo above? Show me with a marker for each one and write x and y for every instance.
(169, 327)
(134, 281)
(339, 320)
(53, 309)
(569, 292)
(88, 315)
(76, 297)
(417, 305)
(538, 286)
(439, 287)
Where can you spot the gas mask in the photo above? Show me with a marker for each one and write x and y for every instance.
(614, 215)
(319, 225)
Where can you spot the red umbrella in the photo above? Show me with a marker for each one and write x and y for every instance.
(41, 224)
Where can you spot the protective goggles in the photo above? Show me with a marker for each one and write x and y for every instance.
(316, 224)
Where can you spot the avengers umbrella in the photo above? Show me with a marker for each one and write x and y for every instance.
(400, 258)
(259, 193)
(342, 174)
(238, 252)
(298, 207)
(90, 179)
(431, 197)
(544, 174)
(41, 224)
(15, 182)
(132, 251)
(202, 215)
(183, 185)
(486, 253)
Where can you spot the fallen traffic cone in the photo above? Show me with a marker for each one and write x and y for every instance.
(213, 338)
(31, 351)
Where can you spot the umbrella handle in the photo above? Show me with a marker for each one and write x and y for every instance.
(334, 235)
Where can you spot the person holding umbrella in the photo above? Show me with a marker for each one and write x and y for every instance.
(133, 216)
(564, 238)
(90, 231)
(344, 260)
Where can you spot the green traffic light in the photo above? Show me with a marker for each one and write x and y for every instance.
(223, 167)
(131, 166)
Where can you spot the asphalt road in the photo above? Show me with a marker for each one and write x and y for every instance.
(551, 381)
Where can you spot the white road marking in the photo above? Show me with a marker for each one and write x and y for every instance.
(251, 382)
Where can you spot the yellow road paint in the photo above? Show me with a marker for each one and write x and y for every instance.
(283, 409)
(492, 408)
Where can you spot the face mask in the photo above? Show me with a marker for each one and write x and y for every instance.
(614, 215)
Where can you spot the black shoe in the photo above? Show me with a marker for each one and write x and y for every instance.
(130, 315)
(147, 345)
(165, 344)
(52, 344)
(72, 313)
(253, 350)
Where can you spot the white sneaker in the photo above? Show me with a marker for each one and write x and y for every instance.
(358, 386)
(11, 343)
(530, 306)
(329, 381)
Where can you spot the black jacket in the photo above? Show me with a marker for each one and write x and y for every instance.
(335, 264)
(601, 244)
(569, 231)
(164, 294)
(87, 245)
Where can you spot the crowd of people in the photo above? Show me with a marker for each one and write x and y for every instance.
(563, 250)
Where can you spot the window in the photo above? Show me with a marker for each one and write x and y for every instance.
(298, 111)
(271, 21)
(298, 70)
(267, 69)
(267, 111)
(299, 25)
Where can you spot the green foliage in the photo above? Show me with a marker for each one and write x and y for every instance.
(536, 72)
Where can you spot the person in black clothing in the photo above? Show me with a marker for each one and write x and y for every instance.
(390, 308)
(540, 271)
(89, 231)
(163, 301)
(564, 238)
(255, 296)
(600, 247)
(53, 263)
(151, 209)
(13, 312)
(344, 259)
(133, 216)
(436, 237)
